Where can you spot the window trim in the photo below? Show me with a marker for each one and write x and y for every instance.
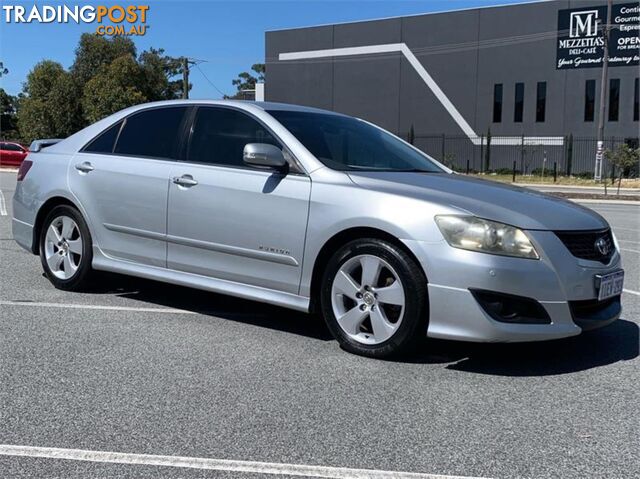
(297, 168)
(294, 169)
(185, 120)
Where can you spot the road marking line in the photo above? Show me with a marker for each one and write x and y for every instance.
(626, 229)
(93, 306)
(630, 291)
(630, 250)
(300, 470)
(3, 205)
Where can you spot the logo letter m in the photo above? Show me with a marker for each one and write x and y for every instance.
(583, 24)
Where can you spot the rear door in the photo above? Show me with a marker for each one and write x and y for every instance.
(121, 179)
(231, 221)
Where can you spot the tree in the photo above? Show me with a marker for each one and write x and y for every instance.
(94, 52)
(3, 70)
(118, 85)
(50, 107)
(159, 69)
(8, 118)
(247, 80)
(623, 158)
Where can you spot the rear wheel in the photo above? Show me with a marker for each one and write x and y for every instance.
(373, 298)
(66, 248)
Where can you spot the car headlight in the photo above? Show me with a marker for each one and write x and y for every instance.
(476, 234)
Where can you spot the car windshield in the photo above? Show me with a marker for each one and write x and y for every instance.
(348, 144)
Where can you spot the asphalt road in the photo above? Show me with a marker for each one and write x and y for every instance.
(144, 368)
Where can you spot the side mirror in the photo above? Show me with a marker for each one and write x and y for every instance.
(263, 155)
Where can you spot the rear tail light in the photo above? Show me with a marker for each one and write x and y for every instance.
(25, 166)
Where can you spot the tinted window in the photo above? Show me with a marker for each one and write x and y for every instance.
(614, 99)
(104, 142)
(497, 103)
(518, 107)
(220, 135)
(153, 133)
(589, 100)
(345, 143)
(541, 100)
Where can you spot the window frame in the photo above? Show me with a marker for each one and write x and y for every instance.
(618, 84)
(541, 101)
(181, 139)
(295, 167)
(587, 90)
(518, 118)
(497, 102)
(636, 99)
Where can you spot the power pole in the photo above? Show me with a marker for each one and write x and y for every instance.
(597, 173)
(185, 77)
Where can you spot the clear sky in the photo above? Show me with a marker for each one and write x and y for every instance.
(229, 35)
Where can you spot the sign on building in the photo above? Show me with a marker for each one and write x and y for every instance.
(581, 36)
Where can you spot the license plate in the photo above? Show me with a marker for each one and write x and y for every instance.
(610, 285)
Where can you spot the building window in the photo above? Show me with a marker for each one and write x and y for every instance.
(636, 100)
(518, 107)
(497, 102)
(541, 100)
(614, 99)
(589, 100)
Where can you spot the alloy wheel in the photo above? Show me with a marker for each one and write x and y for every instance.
(63, 247)
(368, 299)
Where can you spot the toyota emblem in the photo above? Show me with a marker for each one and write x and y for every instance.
(602, 246)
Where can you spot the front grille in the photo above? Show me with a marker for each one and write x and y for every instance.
(582, 244)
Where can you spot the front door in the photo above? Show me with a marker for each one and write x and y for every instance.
(230, 221)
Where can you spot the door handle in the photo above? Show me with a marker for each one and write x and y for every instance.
(184, 180)
(84, 167)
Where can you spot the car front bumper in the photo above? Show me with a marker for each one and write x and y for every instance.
(558, 281)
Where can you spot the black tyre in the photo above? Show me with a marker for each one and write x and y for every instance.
(374, 298)
(66, 249)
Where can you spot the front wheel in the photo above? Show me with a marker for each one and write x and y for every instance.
(373, 298)
(66, 249)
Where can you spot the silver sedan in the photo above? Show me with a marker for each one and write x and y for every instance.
(315, 211)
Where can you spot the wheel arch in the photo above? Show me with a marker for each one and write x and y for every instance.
(43, 211)
(340, 239)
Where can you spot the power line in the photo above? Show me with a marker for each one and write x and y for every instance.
(207, 78)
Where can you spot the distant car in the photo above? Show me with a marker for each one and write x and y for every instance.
(314, 210)
(12, 154)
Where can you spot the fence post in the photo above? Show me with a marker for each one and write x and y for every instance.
(481, 153)
(514, 172)
(467, 166)
(569, 154)
(555, 171)
(522, 172)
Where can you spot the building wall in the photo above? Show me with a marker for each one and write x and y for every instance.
(466, 52)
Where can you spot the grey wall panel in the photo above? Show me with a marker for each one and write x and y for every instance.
(451, 60)
(302, 82)
(466, 52)
(368, 86)
(518, 44)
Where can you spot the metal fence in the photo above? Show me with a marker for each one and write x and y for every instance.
(569, 155)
